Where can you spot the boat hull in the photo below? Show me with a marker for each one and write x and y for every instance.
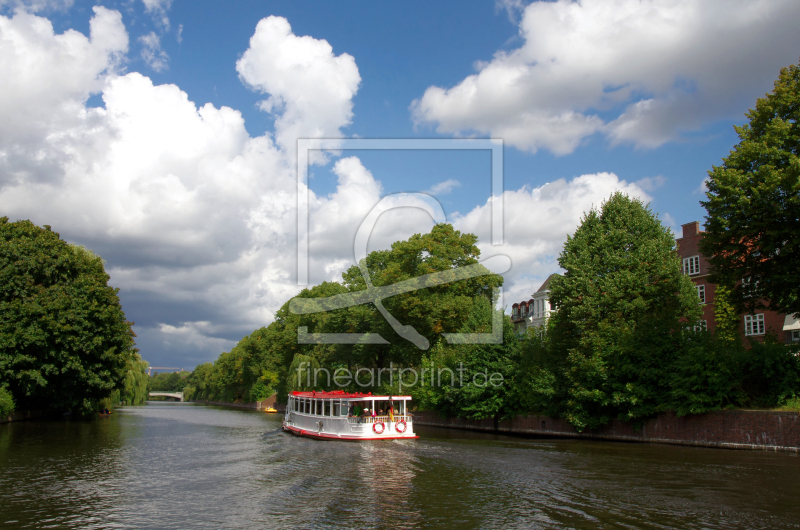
(347, 437)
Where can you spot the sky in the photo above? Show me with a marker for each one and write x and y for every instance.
(163, 134)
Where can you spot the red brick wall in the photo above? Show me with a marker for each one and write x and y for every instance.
(776, 431)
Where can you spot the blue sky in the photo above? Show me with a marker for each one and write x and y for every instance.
(158, 134)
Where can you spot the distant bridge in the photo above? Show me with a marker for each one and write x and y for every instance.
(178, 395)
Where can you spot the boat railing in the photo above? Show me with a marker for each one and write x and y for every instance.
(379, 419)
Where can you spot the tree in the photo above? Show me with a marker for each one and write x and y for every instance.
(622, 305)
(471, 380)
(753, 221)
(64, 339)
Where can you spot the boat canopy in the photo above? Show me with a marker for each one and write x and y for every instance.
(352, 396)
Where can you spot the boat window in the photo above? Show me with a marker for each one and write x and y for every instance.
(335, 408)
(327, 408)
(306, 406)
(317, 407)
(345, 408)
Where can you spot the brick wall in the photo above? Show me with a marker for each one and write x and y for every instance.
(741, 429)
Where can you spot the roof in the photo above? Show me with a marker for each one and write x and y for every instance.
(546, 285)
(341, 394)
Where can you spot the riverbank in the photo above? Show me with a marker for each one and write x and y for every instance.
(257, 405)
(728, 429)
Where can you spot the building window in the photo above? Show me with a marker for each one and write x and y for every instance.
(701, 293)
(794, 336)
(754, 324)
(691, 265)
(701, 325)
(749, 287)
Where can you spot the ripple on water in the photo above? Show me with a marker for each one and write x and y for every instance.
(194, 466)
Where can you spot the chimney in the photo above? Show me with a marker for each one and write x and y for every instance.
(691, 229)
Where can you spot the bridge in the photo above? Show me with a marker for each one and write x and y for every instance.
(177, 395)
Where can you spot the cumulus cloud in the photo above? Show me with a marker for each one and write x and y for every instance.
(310, 88)
(46, 81)
(152, 54)
(196, 218)
(537, 222)
(639, 72)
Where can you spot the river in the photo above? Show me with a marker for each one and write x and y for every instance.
(184, 465)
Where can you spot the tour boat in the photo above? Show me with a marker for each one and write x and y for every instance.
(335, 416)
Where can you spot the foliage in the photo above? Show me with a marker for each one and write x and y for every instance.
(472, 380)
(134, 389)
(235, 375)
(7, 405)
(726, 316)
(621, 306)
(64, 340)
(770, 373)
(168, 382)
(707, 374)
(754, 204)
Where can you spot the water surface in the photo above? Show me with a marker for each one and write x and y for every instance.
(182, 465)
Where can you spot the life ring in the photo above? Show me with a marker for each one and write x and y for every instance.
(400, 426)
(375, 427)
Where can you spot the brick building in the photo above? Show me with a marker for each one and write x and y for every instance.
(752, 326)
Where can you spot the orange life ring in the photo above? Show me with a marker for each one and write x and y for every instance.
(375, 427)
(398, 424)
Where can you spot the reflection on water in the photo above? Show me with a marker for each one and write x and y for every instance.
(180, 465)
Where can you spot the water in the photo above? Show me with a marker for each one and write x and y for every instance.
(180, 465)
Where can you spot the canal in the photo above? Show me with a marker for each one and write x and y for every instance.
(183, 465)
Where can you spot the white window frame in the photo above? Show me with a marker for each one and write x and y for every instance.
(701, 293)
(794, 335)
(701, 325)
(691, 265)
(754, 324)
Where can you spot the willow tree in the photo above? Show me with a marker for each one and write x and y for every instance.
(753, 222)
(622, 305)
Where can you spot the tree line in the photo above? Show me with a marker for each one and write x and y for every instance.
(624, 341)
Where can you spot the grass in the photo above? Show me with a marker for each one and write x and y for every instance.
(793, 405)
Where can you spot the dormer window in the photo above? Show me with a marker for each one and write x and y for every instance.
(691, 265)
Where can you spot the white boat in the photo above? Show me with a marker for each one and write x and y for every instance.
(335, 416)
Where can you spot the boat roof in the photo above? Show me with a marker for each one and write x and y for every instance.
(341, 394)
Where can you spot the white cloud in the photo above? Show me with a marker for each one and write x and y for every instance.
(158, 10)
(443, 188)
(650, 184)
(310, 88)
(46, 80)
(657, 67)
(35, 6)
(196, 218)
(152, 54)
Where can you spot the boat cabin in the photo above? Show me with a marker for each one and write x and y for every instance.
(348, 416)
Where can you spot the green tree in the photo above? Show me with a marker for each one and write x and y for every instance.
(64, 340)
(622, 305)
(472, 380)
(753, 204)
(134, 387)
(7, 404)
